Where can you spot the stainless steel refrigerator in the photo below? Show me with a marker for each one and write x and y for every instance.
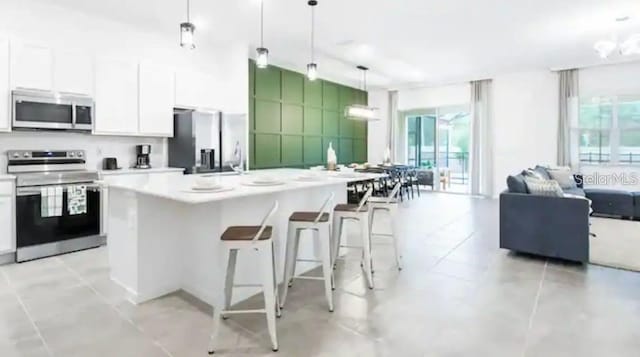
(208, 141)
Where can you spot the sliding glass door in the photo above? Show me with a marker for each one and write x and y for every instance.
(438, 139)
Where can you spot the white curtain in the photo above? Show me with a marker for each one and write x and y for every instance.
(481, 139)
(568, 111)
(393, 122)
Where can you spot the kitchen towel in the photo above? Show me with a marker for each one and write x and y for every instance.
(51, 201)
(77, 199)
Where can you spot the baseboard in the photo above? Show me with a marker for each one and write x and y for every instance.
(7, 258)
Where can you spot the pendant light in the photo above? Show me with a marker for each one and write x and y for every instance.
(262, 53)
(312, 68)
(186, 31)
(359, 111)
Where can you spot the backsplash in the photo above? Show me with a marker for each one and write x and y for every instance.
(97, 147)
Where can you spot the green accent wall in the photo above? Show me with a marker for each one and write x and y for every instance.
(292, 120)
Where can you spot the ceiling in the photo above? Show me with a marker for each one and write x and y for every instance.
(405, 42)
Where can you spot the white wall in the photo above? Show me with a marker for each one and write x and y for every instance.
(525, 117)
(96, 147)
(377, 139)
(610, 80)
(61, 28)
(431, 97)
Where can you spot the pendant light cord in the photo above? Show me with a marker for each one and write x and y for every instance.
(261, 23)
(188, 11)
(312, 34)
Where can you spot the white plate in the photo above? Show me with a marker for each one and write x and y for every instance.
(348, 175)
(309, 178)
(208, 190)
(263, 183)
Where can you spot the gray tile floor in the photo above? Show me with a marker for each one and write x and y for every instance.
(458, 295)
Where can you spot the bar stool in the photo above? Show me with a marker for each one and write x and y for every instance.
(358, 213)
(389, 205)
(320, 225)
(258, 238)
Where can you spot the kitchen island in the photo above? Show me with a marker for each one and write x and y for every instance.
(164, 237)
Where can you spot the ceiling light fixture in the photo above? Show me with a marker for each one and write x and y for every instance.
(186, 31)
(359, 111)
(606, 48)
(262, 53)
(312, 67)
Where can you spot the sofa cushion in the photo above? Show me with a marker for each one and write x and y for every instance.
(543, 171)
(574, 191)
(611, 202)
(564, 176)
(543, 187)
(516, 184)
(531, 173)
(636, 204)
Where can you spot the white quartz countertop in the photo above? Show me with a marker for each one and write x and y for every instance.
(133, 171)
(5, 177)
(179, 188)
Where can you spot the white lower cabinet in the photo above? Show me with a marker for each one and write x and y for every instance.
(7, 218)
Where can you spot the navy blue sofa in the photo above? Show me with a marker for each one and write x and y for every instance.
(555, 227)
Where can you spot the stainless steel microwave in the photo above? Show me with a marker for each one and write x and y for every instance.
(53, 111)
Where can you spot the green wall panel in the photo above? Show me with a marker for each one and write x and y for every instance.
(292, 150)
(330, 96)
(312, 121)
(292, 87)
(267, 150)
(346, 127)
(313, 150)
(330, 123)
(313, 93)
(360, 150)
(292, 120)
(268, 83)
(268, 116)
(345, 154)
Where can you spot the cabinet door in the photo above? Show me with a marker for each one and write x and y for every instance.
(5, 93)
(188, 88)
(157, 95)
(116, 97)
(6, 224)
(73, 72)
(31, 66)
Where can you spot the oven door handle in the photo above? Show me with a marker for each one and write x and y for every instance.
(35, 191)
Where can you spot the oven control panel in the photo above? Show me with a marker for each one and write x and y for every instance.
(48, 155)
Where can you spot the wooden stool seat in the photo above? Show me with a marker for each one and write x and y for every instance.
(246, 233)
(350, 207)
(308, 217)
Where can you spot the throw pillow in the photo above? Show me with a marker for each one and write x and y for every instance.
(549, 188)
(564, 176)
(516, 184)
(530, 173)
(543, 171)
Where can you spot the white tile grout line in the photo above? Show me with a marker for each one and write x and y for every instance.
(534, 310)
(115, 308)
(26, 311)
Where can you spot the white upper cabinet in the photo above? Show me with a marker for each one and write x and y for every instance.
(31, 66)
(116, 97)
(5, 95)
(157, 98)
(73, 72)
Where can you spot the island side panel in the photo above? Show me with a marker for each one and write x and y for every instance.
(122, 240)
(203, 253)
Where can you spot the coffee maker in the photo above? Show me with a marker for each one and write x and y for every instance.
(143, 160)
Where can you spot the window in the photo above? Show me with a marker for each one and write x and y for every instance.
(609, 130)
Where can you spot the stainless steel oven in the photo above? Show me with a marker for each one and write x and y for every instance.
(50, 110)
(41, 233)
